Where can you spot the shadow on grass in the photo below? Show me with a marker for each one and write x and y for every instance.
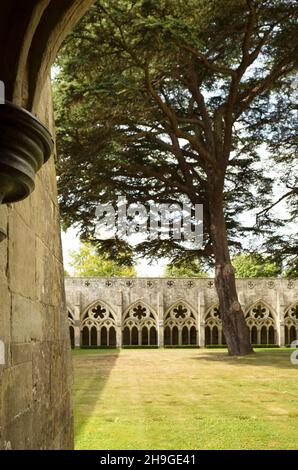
(277, 358)
(92, 368)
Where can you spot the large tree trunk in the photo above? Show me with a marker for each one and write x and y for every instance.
(234, 327)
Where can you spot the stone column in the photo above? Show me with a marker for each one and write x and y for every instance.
(202, 335)
(200, 321)
(280, 331)
(198, 317)
(77, 324)
(160, 338)
(160, 325)
(119, 321)
(179, 336)
(281, 337)
(77, 334)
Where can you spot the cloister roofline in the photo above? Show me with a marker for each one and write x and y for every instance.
(255, 279)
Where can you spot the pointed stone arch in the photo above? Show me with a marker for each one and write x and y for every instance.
(180, 324)
(140, 325)
(213, 327)
(290, 323)
(136, 304)
(264, 304)
(261, 321)
(98, 325)
(70, 314)
(71, 326)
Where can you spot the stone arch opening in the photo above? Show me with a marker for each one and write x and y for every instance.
(261, 322)
(85, 336)
(291, 323)
(180, 325)
(213, 327)
(71, 328)
(100, 320)
(139, 325)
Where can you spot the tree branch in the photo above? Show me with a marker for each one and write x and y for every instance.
(284, 196)
(170, 114)
(265, 83)
(209, 65)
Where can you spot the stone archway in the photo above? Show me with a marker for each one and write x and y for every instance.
(261, 321)
(290, 323)
(139, 325)
(101, 318)
(180, 325)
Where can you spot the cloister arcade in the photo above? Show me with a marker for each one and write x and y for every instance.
(156, 319)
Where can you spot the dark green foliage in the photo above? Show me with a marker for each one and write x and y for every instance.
(141, 86)
(186, 268)
(255, 265)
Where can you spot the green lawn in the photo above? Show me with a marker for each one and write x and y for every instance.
(185, 399)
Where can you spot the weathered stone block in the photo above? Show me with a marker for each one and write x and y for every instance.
(21, 352)
(18, 433)
(27, 320)
(21, 257)
(5, 309)
(17, 396)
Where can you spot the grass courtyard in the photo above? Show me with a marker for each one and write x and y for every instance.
(184, 399)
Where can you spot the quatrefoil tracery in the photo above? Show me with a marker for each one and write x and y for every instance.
(99, 315)
(139, 312)
(259, 315)
(180, 311)
(98, 312)
(139, 315)
(180, 315)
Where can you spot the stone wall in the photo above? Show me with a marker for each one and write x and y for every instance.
(35, 381)
(268, 303)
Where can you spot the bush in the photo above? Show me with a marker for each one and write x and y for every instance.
(183, 346)
(224, 346)
(140, 347)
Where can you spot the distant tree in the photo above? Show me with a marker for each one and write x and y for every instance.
(255, 265)
(86, 262)
(170, 101)
(291, 271)
(186, 268)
